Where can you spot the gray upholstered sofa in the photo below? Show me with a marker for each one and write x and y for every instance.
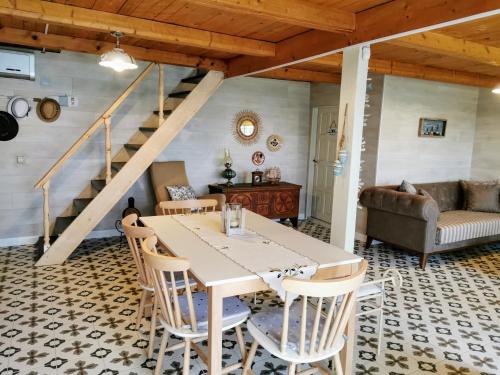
(424, 224)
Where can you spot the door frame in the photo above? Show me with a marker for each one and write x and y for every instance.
(312, 153)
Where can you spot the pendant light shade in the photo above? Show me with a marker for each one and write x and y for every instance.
(117, 59)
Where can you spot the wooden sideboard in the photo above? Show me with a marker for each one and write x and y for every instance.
(272, 201)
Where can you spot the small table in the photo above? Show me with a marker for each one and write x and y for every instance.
(224, 278)
(274, 201)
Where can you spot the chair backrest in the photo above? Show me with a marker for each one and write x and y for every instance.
(188, 206)
(167, 173)
(162, 268)
(327, 328)
(135, 235)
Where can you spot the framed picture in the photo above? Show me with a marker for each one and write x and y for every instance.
(432, 127)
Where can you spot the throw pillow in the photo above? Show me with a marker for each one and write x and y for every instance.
(485, 198)
(181, 193)
(465, 188)
(406, 187)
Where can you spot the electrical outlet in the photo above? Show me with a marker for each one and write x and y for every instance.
(72, 101)
(20, 159)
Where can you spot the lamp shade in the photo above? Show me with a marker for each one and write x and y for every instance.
(496, 90)
(118, 60)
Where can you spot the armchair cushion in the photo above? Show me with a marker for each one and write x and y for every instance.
(181, 193)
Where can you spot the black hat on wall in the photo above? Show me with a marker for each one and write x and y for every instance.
(8, 126)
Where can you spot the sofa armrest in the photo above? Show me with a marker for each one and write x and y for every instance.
(220, 198)
(406, 204)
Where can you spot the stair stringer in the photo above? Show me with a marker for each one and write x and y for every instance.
(88, 219)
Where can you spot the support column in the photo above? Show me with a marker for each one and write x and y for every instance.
(345, 192)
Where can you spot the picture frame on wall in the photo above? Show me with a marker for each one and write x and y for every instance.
(432, 127)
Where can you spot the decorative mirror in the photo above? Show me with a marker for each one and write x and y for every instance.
(246, 127)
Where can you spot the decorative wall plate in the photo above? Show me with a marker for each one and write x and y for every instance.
(246, 127)
(258, 158)
(274, 142)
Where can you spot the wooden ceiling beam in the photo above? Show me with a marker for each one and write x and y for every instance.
(450, 46)
(60, 42)
(425, 72)
(291, 74)
(89, 19)
(377, 24)
(293, 12)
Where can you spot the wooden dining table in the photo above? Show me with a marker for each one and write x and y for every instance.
(222, 277)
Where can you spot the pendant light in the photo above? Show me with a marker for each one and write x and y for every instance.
(117, 59)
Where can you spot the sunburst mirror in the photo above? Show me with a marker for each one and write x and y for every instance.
(246, 127)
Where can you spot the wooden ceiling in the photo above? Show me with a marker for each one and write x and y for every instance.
(245, 37)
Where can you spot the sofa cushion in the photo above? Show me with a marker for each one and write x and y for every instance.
(483, 198)
(448, 195)
(456, 226)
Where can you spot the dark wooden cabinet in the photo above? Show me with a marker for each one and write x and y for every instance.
(272, 201)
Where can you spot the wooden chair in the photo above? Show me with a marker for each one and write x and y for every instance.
(302, 333)
(135, 236)
(373, 292)
(187, 206)
(186, 316)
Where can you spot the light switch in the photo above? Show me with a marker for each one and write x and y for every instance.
(20, 160)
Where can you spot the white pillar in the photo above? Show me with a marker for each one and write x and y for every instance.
(345, 191)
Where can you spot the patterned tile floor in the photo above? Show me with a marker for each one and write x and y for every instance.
(78, 318)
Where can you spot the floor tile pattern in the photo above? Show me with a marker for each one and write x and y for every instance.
(78, 318)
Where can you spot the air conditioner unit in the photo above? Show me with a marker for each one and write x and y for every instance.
(17, 64)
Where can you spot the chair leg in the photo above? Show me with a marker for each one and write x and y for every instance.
(291, 368)
(241, 343)
(187, 357)
(152, 329)
(140, 313)
(380, 322)
(250, 357)
(338, 364)
(161, 353)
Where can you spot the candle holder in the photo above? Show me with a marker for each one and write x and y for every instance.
(233, 219)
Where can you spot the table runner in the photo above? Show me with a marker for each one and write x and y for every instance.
(252, 251)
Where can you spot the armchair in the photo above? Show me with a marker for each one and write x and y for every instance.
(169, 173)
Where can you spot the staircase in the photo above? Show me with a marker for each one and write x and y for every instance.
(126, 167)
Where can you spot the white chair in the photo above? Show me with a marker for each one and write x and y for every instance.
(302, 333)
(186, 316)
(187, 206)
(135, 236)
(373, 292)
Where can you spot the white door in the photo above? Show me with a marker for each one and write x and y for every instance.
(324, 157)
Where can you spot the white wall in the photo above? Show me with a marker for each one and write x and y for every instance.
(284, 107)
(486, 155)
(404, 155)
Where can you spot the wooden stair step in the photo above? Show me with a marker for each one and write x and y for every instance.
(166, 112)
(148, 129)
(62, 222)
(179, 94)
(132, 146)
(80, 204)
(117, 165)
(98, 184)
(194, 79)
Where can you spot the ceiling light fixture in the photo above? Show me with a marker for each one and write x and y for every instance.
(117, 59)
(496, 90)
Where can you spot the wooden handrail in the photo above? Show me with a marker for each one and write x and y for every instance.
(92, 129)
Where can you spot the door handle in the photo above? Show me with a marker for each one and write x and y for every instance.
(315, 161)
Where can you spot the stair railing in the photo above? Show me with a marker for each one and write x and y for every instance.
(105, 119)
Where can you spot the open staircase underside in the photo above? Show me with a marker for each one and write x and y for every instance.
(69, 231)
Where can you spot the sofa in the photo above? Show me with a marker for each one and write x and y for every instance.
(426, 224)
(169, 173)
